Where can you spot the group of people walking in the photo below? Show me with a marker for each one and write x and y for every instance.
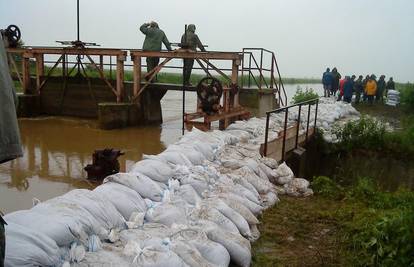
(369, 87)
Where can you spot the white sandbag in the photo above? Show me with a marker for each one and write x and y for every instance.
(26, 247)
(232, 215)
(269, 162)
(300, 184)
(97, 205)
(271, 174)
(154, 169)
(106, 257)
(175, 157)
(166, 214)
(259, 184)
(64, 225)
(198, 185)
(241, 209)
(188, 194)
(242, 135)
(189, 254)
(284, 173)
(140, 183)
(207, 212)
(152, 257)
(212, 251)
(77, 253)
(125, 200)
(192, 154)
(270, 199)
(236, 245)
(136, 220)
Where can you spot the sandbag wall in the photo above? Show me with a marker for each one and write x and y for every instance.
(195, 204)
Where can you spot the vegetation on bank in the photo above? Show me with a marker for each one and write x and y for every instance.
(375, 226)
(303, 95)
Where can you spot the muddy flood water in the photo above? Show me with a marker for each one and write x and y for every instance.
(57, 149)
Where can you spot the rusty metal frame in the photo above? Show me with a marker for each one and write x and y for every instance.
(309, 103)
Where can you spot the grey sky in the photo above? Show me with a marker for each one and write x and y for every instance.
(356, 36)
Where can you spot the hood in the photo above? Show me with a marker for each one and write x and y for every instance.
(191, 28)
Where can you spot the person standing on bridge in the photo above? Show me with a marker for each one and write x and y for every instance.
(190, 41)
(154, 37)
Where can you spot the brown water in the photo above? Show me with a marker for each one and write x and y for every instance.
(57, 149)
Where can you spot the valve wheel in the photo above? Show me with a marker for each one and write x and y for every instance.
(209, 92)
(13, 34)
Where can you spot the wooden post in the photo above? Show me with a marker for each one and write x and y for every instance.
(234, 80)
(119, 77)
(101, 66)
(26, 73)
(137, 74)
(40, 71)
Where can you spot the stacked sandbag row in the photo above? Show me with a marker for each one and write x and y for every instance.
(393, 98)
(195, 204)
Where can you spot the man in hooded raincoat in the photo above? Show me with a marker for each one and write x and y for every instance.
(381, 84)
(191, 41)
(154, 37)
(327, 82)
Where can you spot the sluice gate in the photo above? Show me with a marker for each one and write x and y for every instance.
(91, 83)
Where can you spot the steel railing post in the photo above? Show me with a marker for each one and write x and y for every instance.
(266, 134)
(284, 133)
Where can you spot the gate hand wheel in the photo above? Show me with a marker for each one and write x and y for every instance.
(209, 92)
(13, 35)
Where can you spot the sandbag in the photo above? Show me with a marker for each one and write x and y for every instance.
(232, 215)
(212, 251)
(175, 158)
(140, 183)
(105, 257)
(207, 212)
(64, 224)
(189, 254)
(236, 245)
(188, 194)
(241, 209)
(154, 169)
(284, 174)
(192, 154)
(153, 257)
(125, 200)
(26, 247)
(166, 214)
(97, 205)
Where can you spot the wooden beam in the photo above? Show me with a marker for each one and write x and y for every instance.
(234, 80)
(40, 71)
(69, 51)
(188, 54)
(26, 75)
(137, 74)
(101, 66)
(120, 77)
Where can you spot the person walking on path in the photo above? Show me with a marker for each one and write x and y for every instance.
(381, 84)
(327, 82)
(190, 41)
(358, 88)
(336, 76)
(390, 85)
(154, 37)
(371, 89)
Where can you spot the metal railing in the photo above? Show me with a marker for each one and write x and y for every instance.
(309, 103)
(256, 72)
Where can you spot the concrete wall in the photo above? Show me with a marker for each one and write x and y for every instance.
(258, 102)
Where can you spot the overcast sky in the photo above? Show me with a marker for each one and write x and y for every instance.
(356, 36)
